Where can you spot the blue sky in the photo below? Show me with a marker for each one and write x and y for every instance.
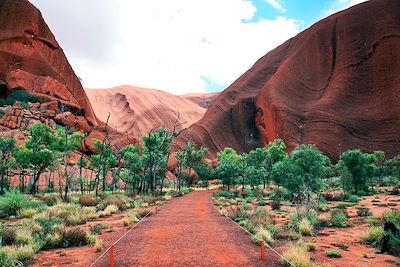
(179, 46)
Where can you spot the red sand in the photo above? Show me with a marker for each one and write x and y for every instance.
(188, 231)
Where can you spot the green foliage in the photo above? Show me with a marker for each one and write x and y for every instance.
(338, 218)
(333, 254)
(224, 194)
(7, 235)
(373, 236)
(2, 102)
(354, 168)
(21, 96)
(2, 113)
(12, 202)
(299, 215)
(353, 199)
(230, 166)
(5, 260)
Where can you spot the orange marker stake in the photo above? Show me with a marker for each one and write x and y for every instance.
(262, 256)
(112, 255)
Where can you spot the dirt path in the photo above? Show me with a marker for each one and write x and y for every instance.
(188, 231)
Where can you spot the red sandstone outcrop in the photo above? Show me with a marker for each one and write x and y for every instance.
(32, 60)
(204, 100)
(335, 85)
(138, 110)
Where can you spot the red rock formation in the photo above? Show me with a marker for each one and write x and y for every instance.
(138, 110)
(204, 100)
(32, 60)
(335, 85)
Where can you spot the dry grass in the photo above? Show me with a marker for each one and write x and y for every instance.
(98, 245)
(263, 234)
(298, 256)
(305, 227)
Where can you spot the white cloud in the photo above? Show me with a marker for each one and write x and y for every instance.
(168, 45)
(276, 4)
(338, 5)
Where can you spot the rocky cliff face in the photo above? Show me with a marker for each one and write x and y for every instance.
(32, 60)
(335, 85)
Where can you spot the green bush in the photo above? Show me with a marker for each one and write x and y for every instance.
(20, 253)
(353, 199)
(224, 194)
(21, 96)
(74, 237)
(338, 218)
(363, 212)
(373, 236)
(299, 215)
(261, 202)
(2, 102)
(5, 260)
(2, 113)
(7, 235)
(333, 254)
(12, 202)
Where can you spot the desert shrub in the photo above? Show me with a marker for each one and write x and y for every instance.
(5, 260)
(130, 220)
(7, 235)
(353, 199)
(236, 213)
(343, 206)
(111, 209)
(120, 204)
(98, 245)
(261, 202)
(338, 218)
(288, 235)
(299, 215)
(48, 224)
(373, 221)
(19, 253)
(87, 201)
(276, 197)
(21, 96)
(362, 193)
(363, 212)
(260, 217)
(262, 234)
(51, 241)
(2, 102)
(23, 236)
(224, 194)
(323, 207)
(392, 216)
(12, 202)
(334, 196)
(333, 254)
(310, 246)
(50, 200)
(73, 237)
(174, 193)
(143, 212)
(296, 255)
(28, 213)
(98, 228)
(305, 227)
(186, 191)
(2, 113)
(373, 236)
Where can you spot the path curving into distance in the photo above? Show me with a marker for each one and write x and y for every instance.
(188, 231)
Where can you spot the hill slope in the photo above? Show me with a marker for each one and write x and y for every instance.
(335, 85)
(139, 110)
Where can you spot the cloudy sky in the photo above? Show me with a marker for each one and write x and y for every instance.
(179, 46)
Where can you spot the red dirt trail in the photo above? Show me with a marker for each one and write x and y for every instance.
(188, 231)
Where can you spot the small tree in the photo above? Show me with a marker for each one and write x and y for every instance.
(6, 147)
(40, 156)
(353, 167)
(230, 166)
(132, 166)
(22, 162)
(276, 153)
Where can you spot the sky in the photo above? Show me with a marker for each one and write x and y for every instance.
(179, 46)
